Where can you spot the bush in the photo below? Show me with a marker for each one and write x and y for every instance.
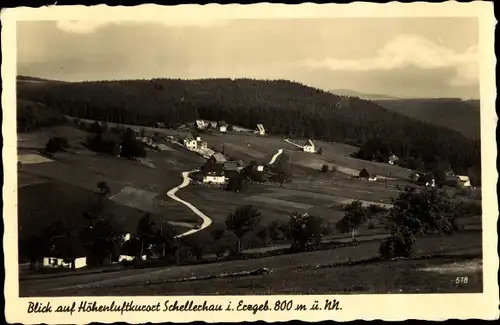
(56, 144)
(325, 168)
(397, 246)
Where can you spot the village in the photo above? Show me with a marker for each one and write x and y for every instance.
(222, 171)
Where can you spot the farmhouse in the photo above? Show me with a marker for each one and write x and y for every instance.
(222, 126)
(464, 181)
(260, 130)
(64, 253)
(201, 144)
(363, 174)
(130, 250)
(190, 142)
(200, 124)
(372, 178)
(213, 173)
(309, 146)
(217, 168)
(393, 159)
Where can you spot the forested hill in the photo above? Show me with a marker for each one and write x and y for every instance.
(459, 115)
(284, 107)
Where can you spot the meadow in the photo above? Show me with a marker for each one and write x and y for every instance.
(63, 186)
(437, 263)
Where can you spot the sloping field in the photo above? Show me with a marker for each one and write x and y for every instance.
(44, 203)
(38, 139)
(28, 159)
(136, 198)
(294, 273)
(272, 201)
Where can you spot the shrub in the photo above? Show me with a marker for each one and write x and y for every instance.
(325, 168)
(56, 144)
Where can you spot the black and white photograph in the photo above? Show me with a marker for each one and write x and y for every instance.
(218, 155)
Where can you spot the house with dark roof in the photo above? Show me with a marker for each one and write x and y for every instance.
(222, 126)
(65, 252)
(260, 129)
(309, 146)
(190, 141)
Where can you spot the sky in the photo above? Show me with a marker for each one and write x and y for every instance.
(404, 57)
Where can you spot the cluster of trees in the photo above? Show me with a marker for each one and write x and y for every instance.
(356, 215)
(32, 116)
(244, 225)
(284, 107)
(115, 141)
(56, 144)
(102, 240)
(417, 212)
(280, 172)
(426, 152)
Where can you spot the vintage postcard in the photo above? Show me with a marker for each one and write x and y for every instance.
(226, 163)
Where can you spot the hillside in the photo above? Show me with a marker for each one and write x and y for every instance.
(456, 114)
(32, 115)
(284, 107)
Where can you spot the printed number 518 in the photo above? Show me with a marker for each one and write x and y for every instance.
(461, 279)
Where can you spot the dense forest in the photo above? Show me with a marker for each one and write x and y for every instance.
(453, 113)
(283, 107)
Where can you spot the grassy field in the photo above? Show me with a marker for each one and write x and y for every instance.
(135, 188)
(302, 273)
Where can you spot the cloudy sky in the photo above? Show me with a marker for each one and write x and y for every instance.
(409, 57)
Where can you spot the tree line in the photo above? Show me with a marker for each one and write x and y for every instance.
(283, 107)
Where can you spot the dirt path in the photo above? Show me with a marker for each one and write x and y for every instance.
(206, 220)
(276, 155)
(293, 143)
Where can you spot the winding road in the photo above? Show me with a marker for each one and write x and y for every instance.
(276, 155)
(206, 220)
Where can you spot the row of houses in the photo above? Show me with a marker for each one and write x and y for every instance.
(223, 126)
(58, 257)
(217, 169)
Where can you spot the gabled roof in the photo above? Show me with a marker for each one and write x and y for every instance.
(189, 137)
(463, 178)
(309, 143)
(219, 157)
(231, 165)
(260, 127)
(212, 168)
(67, 247)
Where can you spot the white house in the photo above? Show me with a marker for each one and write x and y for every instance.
(260, 129)
(393, 159)
(214, 179)
(309, 146)
(122, 258)
(432, 183)
(59, 262)
(190, 142)
(260, 168)
(223, 128)
(372, 179)
(200, 124)
(464, 181)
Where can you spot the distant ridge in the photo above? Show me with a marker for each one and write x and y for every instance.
(353, 93)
